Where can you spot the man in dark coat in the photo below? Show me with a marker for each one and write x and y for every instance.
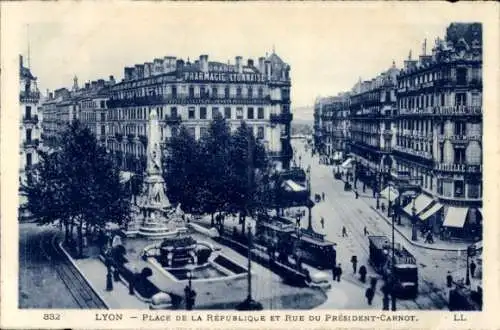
(354, 261)
(449, 280)
(362, 273)
(369, 294)
(472, 268)
(339, 272)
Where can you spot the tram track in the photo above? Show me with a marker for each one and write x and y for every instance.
(83, 294)
(427, 298)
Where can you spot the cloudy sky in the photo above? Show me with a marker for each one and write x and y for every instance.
(328, 45)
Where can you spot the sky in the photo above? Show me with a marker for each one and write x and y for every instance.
(328, 46)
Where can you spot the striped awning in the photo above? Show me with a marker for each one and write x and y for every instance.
(389, 193)
(434, 208)
(455, 217)
(421, 202)
(290, 185)
(347, 163)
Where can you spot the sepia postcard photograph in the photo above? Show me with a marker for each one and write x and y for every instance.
(198, 165)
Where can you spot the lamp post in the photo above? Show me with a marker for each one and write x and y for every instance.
(249, 304)
(414, 236)
(393, 263)
(471, 251)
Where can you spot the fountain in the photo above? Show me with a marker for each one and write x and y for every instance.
(152, 215)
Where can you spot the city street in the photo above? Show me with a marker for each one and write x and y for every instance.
(341, 208)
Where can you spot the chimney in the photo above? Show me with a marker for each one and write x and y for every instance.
(100, 83)
(51, 96)
(239, 64)
(112, 80)
(139, 71)
(148, 66)
(261, 64)
(179, 64)
(268, 69)
(128, 72)
(87, 85)
(93, 84)
(250, 62)
(20, 61)
(204, 63)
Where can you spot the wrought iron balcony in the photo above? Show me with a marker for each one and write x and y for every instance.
(462, 168)
(173, 120)
(33, 143)
(419, 153)
(460, 110)
(282, 118)
(30, 119)
(29, 96)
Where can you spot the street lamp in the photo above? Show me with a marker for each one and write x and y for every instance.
(414, 236)
(249, 304)
(471, 251)
(393, 275)
(189, 292)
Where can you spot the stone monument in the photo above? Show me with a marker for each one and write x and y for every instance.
(152, 216)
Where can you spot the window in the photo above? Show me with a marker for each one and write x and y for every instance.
(461, 76)
(460, 99)
(214, 92)
(261, 92)
(28, 135)
(203, 131)
(191, 91)
(173, 112)
(260, 132)
(191, 114)
(227, 113)
(103, 130)
(473, 190)
(174, 91)
(28, 112)
(215, 112)
(203, 113)
(226, 92)
(203, 91)
(459, 189)
(238, 92)
(28, 159)
(250, 113)
(192, 131)
(476, 99)
(103, 105)
(459, 156)
(260, 113)
(442, 100)
(460, 128)
(239, 113)
(250, 92)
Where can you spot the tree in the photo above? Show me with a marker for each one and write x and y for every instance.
(183, 172)
(215, 188)
(78, 184)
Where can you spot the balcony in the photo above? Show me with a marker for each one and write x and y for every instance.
(283, 118)
(460, 110)
(461, 168)
(387, 133)
(419, 153)
(29, 96)
(459, 138)
(30, 119)
(173, 120)
(31, 143)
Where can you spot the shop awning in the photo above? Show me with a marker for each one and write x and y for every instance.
(337, 156)
(455, 217)
(347, 163)
(436, 207)
(389, 193)
(290, 185)
(421, 202)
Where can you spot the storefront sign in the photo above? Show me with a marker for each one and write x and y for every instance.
(223, 77)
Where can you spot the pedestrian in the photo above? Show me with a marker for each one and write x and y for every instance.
(344, 231)
(365, 231)
(369, 293)
(354, 261)
(323, 196)
(356, 194)
(339, 272)
(472, 268)
(334, 272)
(322, 221)
(449, 279)
(362, 273)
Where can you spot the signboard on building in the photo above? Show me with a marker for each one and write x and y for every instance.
(223, 77)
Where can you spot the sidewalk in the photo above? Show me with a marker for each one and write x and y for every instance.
(405, 230)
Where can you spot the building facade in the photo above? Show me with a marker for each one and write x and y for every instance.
(192, 94)
(30, 120)
(439, 135)
(372, 108)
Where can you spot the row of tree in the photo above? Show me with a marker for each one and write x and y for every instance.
(77, 185)
(222, 172)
